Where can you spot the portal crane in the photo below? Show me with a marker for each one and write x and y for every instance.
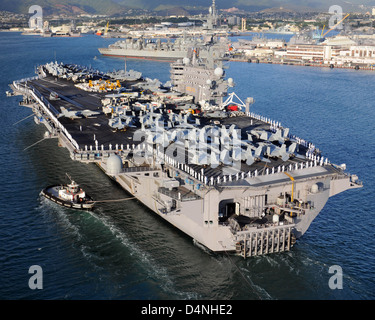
(334, 27)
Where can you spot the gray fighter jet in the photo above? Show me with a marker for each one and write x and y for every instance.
(78, 114)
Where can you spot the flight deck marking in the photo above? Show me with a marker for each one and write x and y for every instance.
(52, 82)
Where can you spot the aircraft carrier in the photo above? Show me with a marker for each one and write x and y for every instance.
(197, 156)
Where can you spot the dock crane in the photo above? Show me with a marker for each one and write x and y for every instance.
(106, 29)
(321, 35)
(99, 32)
(334, 27)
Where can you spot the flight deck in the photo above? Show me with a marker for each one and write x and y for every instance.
(94, 134)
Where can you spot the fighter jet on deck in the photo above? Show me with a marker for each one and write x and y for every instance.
(121, 122)
(78, 114)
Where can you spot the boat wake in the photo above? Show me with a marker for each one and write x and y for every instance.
(52, 209)
(84, 229)
(153, 270)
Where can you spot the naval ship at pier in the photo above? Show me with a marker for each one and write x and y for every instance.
(155, 49)
(193, 153)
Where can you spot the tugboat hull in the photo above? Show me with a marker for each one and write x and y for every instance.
(51, 193)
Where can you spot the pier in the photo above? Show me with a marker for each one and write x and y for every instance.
(302, 64)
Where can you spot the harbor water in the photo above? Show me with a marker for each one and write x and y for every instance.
(122, 250)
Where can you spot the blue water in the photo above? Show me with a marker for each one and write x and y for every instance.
(124, 251)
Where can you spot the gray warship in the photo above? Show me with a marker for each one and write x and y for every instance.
(196, 155)
(156, 49)
(148, 49)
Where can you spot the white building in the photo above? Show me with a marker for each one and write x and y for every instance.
(312, 52)
(234, 21)
(62, 30)
(258, 52)
(339, 41)
(357, 54)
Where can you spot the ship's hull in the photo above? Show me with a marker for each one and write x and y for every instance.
(198, 218)
(143, 54)
(189, 218)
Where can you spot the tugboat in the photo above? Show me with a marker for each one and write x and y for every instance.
(70, 195)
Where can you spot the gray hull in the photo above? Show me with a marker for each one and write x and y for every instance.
(144, 54)
(51, 193)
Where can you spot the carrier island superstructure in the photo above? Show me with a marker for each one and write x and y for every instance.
(190, 151)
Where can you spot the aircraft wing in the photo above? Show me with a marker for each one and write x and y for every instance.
(89, 113)
(68, 114)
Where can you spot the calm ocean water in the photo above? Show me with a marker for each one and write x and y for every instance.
(124, 251)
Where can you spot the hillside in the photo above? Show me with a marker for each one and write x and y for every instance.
(111, 7)
(67, 6)
(255, 5)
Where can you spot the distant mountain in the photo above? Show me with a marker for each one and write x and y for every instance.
(64, 6)
(180, 7)
(172, 11)
(323, 5)
(153, 4)
(255, 5)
